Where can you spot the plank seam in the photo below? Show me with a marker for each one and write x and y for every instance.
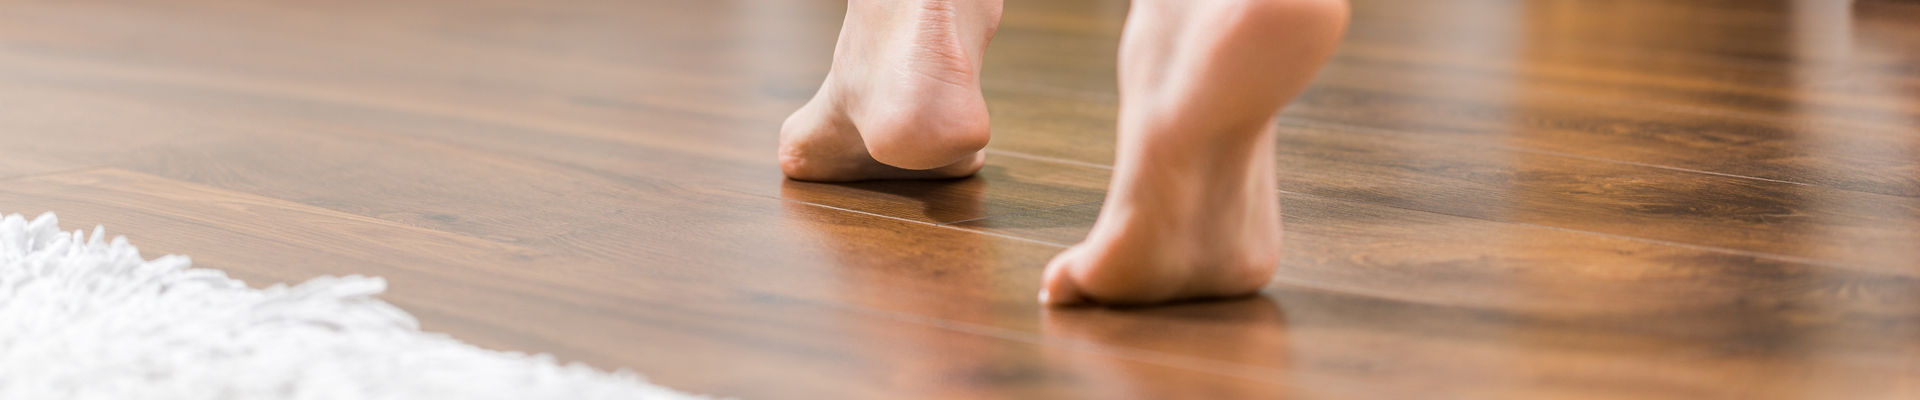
(1022, 212)
(916, 222)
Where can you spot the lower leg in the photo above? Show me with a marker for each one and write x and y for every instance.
(1192, 211)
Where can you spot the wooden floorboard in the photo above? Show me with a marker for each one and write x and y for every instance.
(1806, 127)
(1483, 199)
(1501, 183)
(52, 131)
(735, 328)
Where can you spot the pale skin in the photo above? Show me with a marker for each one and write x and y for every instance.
(1192, 211)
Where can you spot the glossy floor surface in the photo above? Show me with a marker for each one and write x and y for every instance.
(1483, 199)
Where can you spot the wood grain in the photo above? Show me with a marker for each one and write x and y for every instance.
(1483, 199)
(701, 325)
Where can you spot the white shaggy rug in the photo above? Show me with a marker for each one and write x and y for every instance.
(85, 318)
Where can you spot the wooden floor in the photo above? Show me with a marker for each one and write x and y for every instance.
(1483, 199)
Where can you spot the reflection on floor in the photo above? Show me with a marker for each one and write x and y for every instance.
(1483, 199)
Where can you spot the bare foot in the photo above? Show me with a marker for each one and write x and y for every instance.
(1193, 211)
(903, 98)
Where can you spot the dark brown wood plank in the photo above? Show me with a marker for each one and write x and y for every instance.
(1868, 230)
(695, 324)
(1761, 56)
(1839, 163)
(1449, 304)
(572, 119)
(1816, 126)
(591, 214)
(1010, 297)
(1486, 199)
(1010, 185)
